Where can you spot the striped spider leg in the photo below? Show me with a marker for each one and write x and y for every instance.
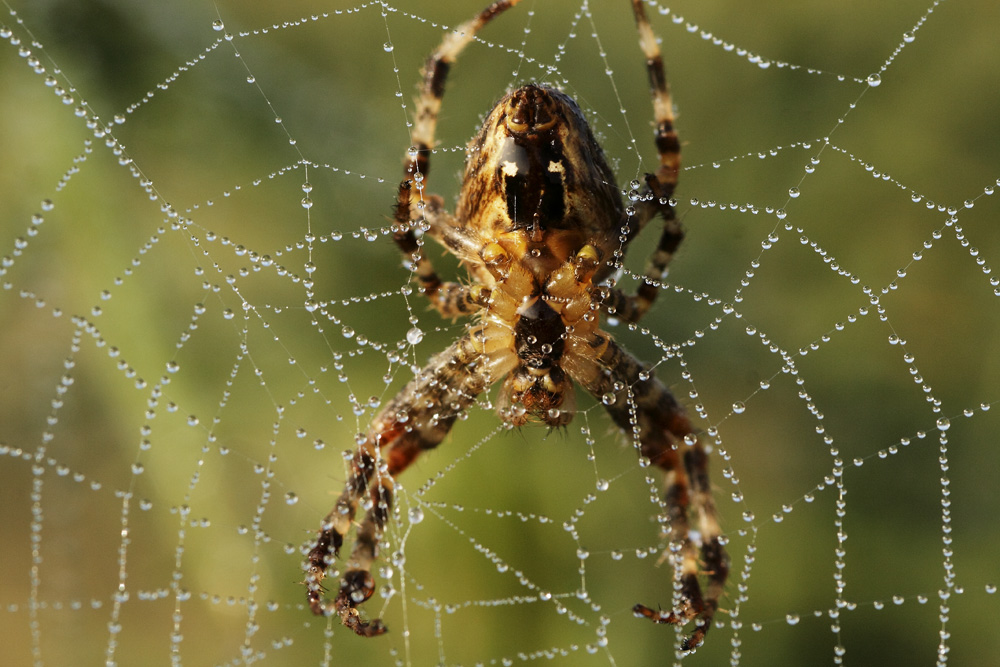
(540, 226)
(664, 432)
(421, 415)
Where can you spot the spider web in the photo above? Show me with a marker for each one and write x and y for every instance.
(201, 310)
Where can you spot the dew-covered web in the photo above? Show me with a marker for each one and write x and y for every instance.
(201, 308)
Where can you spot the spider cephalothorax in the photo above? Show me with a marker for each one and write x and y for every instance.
(540, 226)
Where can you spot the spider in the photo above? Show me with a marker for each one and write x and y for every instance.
(540, 226)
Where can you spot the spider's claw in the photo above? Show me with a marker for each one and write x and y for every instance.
(695, 639)
(351, 618)
(690, 642)
(356, 586)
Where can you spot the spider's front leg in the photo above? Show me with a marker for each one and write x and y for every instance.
(646, 409)
(654, 196)
(416, 420)
(415, 208)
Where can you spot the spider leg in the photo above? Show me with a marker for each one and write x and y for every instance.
(416, 420)
(654, 197)
(450, 298)
(420, 209)
(641, 405)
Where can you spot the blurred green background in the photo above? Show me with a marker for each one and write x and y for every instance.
(173, 417)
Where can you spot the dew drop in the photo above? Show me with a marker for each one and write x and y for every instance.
(388, 47)
(416, 515)
(414, 336)
(874, 80)
(739, 407)
(291, 498)
(793, 192)
(218, 25)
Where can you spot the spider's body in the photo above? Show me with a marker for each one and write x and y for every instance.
(537, 192)
(540, 226)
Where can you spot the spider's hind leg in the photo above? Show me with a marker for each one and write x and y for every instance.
(357, 583)
(645, 408)
(654, 196)
(415, 206)
(416, 420)
(696, 603)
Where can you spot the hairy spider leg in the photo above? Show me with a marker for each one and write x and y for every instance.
(644, 408)
(412, 422)
(421, 210)
(654, 197)
(651, 412)
(416, 420)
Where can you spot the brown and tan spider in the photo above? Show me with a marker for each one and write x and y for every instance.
(540, 226)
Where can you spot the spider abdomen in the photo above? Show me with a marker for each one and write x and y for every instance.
(535, 173)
